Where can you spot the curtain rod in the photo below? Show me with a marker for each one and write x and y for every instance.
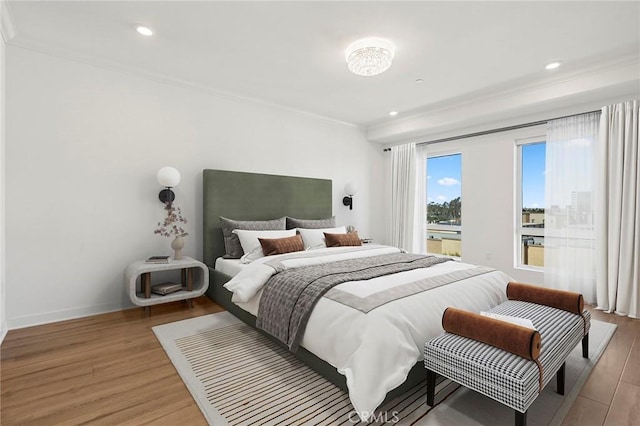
(498, 130)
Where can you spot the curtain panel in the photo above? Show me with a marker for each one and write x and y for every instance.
(618, 210)
(405, 204)
(569, 245)
(420, 212)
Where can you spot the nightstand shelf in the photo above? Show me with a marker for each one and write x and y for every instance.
(194, 277)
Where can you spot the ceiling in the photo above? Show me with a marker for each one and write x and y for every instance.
(292, 53)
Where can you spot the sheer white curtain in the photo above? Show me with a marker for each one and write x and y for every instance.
(420, 218)
(618, 210)
(569, 247)
(406, 184)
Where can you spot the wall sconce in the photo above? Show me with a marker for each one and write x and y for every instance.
(169, 178)
(350, 189)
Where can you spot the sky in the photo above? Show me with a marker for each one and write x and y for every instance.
(533, 169)
(444, 176)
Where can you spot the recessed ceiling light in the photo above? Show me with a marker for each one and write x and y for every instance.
(393, 113)
(419, 80)
(144, 31)
(553, 65)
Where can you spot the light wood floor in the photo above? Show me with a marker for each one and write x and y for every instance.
(611, 395)
(110, 369)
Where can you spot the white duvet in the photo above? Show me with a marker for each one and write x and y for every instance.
(374, 351)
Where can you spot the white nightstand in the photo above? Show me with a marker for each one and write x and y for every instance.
(194, 274)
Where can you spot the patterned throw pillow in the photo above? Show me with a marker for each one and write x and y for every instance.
(293, 223)
(232, 245)
(271, 246)
(341, 240)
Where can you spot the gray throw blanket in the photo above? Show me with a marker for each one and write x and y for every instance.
(290, 296)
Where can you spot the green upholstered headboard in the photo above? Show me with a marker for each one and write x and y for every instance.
(254, 196)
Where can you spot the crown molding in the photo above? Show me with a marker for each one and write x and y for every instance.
(114, 66)
(7, 23)
(511, 90)
(579, 86)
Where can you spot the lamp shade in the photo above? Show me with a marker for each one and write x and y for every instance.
(350, 189)
(168, 177)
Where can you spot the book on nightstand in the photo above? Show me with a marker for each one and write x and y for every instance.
(166, 288)
(158, 259)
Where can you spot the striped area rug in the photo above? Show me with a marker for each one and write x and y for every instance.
(239, 376)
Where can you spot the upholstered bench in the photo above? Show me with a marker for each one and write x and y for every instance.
(499, 369)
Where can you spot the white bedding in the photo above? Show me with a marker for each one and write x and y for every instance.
(230, 267)
(374, 351)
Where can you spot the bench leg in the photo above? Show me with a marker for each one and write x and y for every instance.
(585, 346)
(521, 418)
(431, 387)
(560, 379)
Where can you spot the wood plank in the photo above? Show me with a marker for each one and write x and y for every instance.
(586, 412)
(604, 378)
(631, 372)
(105, 369)
(625, 408)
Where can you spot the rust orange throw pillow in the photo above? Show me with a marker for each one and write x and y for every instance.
(559, 299)
(271, 246)
(341, 240)
(513, 338)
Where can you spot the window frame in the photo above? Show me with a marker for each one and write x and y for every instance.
(444, 153)
(519, 229)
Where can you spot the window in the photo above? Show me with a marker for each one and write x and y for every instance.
(530, 204)
(444, 205)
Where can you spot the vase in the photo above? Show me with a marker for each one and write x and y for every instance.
(177, 245)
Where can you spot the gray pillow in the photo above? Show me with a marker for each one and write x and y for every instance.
(232, 245)
(293, 223)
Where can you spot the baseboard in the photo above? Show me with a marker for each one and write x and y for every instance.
(63, 315)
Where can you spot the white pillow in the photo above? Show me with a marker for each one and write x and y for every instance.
(314, 238)
(251, 245)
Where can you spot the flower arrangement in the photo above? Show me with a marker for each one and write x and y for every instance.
(170, 226)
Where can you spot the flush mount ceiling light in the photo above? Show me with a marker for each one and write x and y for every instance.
(393, 113)
(369, 56)
(144, 30)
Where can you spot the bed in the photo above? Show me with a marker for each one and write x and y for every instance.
(391, 368)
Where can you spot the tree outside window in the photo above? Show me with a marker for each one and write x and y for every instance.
(444, 205)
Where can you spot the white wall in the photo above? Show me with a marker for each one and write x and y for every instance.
(488, 199)
(3, 314)
(83, 147)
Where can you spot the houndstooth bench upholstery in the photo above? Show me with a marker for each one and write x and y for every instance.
(507, 378)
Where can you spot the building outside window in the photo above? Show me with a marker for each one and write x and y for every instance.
(444, 205)
(530, 204)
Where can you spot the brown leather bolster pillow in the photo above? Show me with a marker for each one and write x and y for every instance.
(559, 299)
(522, 341)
